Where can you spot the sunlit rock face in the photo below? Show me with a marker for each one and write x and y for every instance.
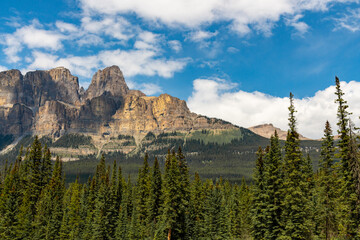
(51, 103)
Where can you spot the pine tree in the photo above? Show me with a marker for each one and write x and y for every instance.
(70, 227)
(259, 199)
(9, 203)
(142, 200)
(296, 202)
(124, 219)
(46, 166)
(32, 190)
(327, 183)
(113, 205)
(274, 183)
(350, 196)
(155, 198)
(197, 207)
(216, 220)
(173, 202)
(100, 222)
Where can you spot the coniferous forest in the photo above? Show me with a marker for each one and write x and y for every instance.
(286, 199)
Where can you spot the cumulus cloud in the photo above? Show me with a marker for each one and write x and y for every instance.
(113, 26)
(83, 66)
(132, 62)
(32, 36)
(242, 15)
(218, 98)
(142, 62)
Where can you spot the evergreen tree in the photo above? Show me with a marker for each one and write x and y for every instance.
(173, 218)
(216, 220)
(142, 200)
(245, 208)
(350, 196)
(9, 203)
(46, 166)
(274, 184)
(100, 223)
(197, 207)
(113, 205)
(155, 198)
(70, 227)
(124, 219)
(327, 182)
(259, 199)
(296, 205)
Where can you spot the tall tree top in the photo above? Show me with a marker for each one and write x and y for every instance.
(292, 111)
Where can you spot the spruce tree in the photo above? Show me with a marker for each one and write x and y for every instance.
(10, 201)
(296, 201)
(155, 198)
(274, 184)
(350, 195)
(143, 193)
(259, 198)
(197, 207)
(327, 186)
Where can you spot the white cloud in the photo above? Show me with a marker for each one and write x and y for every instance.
(66, 27)
(148, 41)
(116, 27)
(350, 21)
(241, 14)
(301, 27)
(31, 36)
(2, 68)
(147, 88)
(142, 62)
(217, 98)
(200, 35)
(83, 66)
(175, 45)
(132, 62)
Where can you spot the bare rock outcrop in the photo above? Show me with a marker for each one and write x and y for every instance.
(51, 103)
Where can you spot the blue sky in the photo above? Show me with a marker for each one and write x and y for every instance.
(209, 52)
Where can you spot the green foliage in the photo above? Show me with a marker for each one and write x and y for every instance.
(350, 170)
(73, 140)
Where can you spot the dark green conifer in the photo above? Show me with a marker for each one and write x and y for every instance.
(327, 192)
(274, 185)
(348, 154)
(155, 198)
(259, 220)
(296, 205)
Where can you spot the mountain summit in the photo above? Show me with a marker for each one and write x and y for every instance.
(51, 103)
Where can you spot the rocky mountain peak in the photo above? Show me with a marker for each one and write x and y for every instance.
(109, 80)
(267, 130)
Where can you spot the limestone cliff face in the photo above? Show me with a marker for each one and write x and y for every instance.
(11, 88)
(109, 80)
(51, 103)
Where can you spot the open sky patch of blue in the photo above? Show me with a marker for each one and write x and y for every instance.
(277, 64)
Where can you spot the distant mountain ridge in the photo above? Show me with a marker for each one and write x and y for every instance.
(268, 129)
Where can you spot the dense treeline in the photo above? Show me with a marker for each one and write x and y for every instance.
(287, 200)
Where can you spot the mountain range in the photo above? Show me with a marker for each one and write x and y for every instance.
(110, 118)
